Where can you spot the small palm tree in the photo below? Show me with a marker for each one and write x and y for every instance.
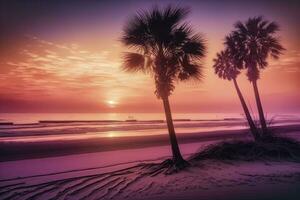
(226, 68)
(167, 49)
(255, 41)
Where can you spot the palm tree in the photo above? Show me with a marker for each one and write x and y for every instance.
(255, 42)
(166, 48)
(226, 68)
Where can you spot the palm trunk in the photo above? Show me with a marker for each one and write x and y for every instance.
(260, 110)
(177, 157)
(253, 128)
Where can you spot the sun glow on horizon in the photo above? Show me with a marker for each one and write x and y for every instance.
(71, 60)
(111, 103)
(112, 134)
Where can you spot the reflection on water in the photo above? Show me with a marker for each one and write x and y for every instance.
(193, 123)
(109, 134)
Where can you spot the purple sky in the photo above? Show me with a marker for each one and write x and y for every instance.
(56, 51)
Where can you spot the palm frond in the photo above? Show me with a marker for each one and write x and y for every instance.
(195, 46)
(271, 28)
(276, 49)
(135, 31)
(241, 27)
(175, 15)
(190, 70)
(180, 35)
(133, 62)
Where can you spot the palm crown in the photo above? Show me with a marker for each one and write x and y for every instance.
(164, 47)
(224, 66)
(252, 43)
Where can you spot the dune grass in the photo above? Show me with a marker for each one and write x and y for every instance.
(274, 149)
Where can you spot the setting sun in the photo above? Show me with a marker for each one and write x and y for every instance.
(111, 103)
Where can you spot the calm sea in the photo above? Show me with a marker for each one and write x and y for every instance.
(36, 117)
(71, 126)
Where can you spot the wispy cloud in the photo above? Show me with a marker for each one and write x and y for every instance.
(289, 62)
(50, 68)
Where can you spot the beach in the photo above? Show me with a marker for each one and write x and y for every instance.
(59, 137)
(117, 175)
(82, 175)
(83, 160)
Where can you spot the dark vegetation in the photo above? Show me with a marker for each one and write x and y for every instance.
(273, 149)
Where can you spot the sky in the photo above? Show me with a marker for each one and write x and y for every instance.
(66, 56)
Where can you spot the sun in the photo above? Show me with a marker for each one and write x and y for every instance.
(111, 103)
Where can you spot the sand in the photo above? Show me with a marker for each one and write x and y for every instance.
(117, 175)
(122, 173)
(12, 148)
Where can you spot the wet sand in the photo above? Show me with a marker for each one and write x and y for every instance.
(16, 150)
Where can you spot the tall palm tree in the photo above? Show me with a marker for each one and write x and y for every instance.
(226, 68)
(166, 48)
(255, 42)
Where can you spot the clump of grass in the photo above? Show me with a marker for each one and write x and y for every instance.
(273, 149)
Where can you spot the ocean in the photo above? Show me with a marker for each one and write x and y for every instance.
(25, 118)
(75, 126)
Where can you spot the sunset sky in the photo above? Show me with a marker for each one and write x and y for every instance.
(65, 56)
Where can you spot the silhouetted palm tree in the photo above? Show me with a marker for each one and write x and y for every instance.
(226, 68)
(255, 41)
(167, 49)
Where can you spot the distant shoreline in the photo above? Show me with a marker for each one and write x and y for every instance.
(112, 121)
